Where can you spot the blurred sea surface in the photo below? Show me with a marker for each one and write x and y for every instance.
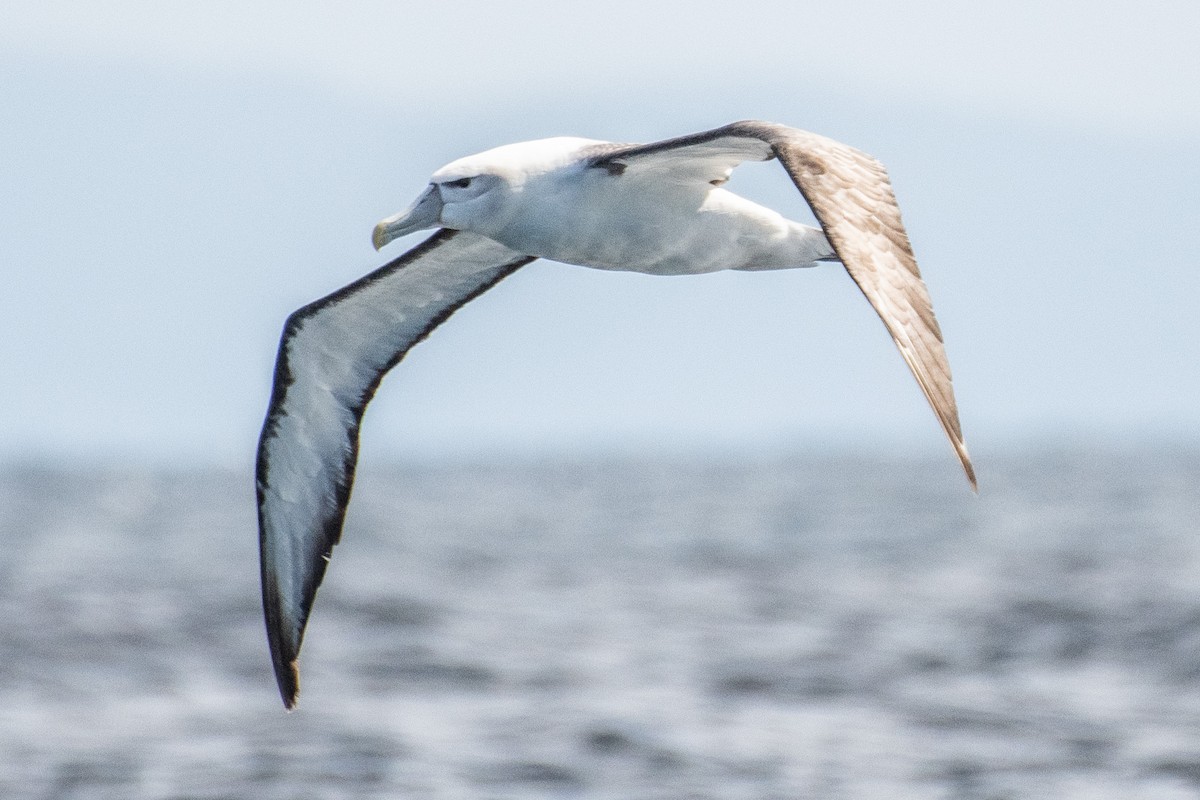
(780, 627)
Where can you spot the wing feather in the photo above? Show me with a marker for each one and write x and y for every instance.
(332, 356)
(708, 156)
(852, 199)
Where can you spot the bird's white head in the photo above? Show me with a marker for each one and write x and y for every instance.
(480, 193)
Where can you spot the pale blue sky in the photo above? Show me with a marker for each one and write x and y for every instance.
(178, 178)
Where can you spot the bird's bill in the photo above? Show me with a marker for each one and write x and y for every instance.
(426, 212)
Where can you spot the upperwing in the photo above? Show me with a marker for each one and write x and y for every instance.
(708, 156)
(332, 356)
(853, 201)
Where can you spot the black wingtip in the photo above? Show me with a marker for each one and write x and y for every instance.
(284, 658)
(287, 675)
(285, 649)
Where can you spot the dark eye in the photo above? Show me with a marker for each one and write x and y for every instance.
(461, 183)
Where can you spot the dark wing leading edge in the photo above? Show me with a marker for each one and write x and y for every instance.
(852, 199)
(708, 156)
(332, 356)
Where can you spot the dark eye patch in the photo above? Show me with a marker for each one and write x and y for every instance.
(461, 183)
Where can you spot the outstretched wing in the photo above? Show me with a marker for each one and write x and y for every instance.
(332, 356)
(708, 156)
(852, 199)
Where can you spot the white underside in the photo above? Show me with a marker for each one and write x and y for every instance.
(643, 223)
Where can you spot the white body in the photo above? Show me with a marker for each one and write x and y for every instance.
(563, 210)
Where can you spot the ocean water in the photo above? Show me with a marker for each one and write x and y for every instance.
(780, 627)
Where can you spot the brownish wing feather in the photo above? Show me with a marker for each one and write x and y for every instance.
(852, 198)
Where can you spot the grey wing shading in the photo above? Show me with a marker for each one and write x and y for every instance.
(853, 201)
(708, 156)
(332, 356)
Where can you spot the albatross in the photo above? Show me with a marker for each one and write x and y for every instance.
(655, 208)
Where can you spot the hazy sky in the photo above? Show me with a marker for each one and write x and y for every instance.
(178, 177)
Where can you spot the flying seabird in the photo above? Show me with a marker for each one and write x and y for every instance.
(655, 208)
